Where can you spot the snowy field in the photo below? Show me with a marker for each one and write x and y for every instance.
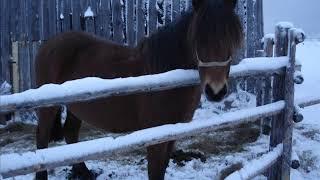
(219, 149)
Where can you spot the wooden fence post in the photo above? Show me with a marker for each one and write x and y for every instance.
(15, 68)
(278, 90)
(267, 90)
(282, 128)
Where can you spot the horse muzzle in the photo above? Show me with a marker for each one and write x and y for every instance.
(215, 97)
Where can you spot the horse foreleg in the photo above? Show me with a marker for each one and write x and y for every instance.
(71, 133)
(158, 159)
(46, 123)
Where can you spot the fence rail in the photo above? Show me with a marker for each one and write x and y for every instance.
(93, 88)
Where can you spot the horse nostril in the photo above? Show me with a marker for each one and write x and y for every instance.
(211, 96)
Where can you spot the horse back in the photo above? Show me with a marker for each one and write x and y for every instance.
(75, 55)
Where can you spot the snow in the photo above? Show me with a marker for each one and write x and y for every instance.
(299, 34)
(138, 138)
(270, 35)
(61, 16)
(5, 88)
(250, 170)
(285, 24)
(91, 85)
(88, 12)
(261, 64)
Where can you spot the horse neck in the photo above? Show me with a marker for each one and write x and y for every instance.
(168, 49)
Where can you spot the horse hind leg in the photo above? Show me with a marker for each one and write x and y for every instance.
(158, 159)
(49, 128)
(71, 133)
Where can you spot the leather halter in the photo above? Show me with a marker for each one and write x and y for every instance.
(212, 63)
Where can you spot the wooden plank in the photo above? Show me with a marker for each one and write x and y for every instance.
(153, 17)
(24, 66)
(2, 34)
(241, 10)
(67, 16)
(45, 19)
(76, 14)
(290, 104)
(175, 9)
(52, 11)
(130, 23)
(15, 67)
(168, 11)
(23, 30)
(5, 26)
(103, 19)
(188, 4)
(251, 29)
(281, 39)
(88, 7)
(41, 159)
(34, 20)
(140, 20)
(60, 15)
(259, 21)
(13, 19)
(33, 51)
(277, 134)
(268, 52)
(117, 21)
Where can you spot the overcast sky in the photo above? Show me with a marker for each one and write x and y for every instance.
(304, 14)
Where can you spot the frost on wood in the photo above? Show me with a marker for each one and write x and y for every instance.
(299, 34)
(309, 100)
(95, 149)
(61, 16)
(93, 88)
(257, 166)
(285, 24)
(88, 12)
(261, 64)
(5, 88)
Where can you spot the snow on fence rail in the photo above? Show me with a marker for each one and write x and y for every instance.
(281, 132)
(99, 148)
(257, 166)
(93, 88)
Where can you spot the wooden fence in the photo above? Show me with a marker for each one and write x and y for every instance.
(278, 160)
(24, 24)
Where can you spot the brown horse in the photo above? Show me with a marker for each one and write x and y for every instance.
(203, 38)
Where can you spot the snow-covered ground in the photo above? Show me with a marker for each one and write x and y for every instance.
(218, 147)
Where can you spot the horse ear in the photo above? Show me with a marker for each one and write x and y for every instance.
(196, 4)
(232, 3)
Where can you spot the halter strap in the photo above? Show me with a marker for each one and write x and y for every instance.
(213, 63)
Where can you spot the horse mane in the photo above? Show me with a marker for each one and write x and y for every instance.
(167, 48)
(214, 26)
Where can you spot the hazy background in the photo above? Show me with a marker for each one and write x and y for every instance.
(303, 14)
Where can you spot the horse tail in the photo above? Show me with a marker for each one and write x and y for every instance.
(57, 128)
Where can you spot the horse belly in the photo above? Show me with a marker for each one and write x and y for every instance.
(169, 107)
(115, 114)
